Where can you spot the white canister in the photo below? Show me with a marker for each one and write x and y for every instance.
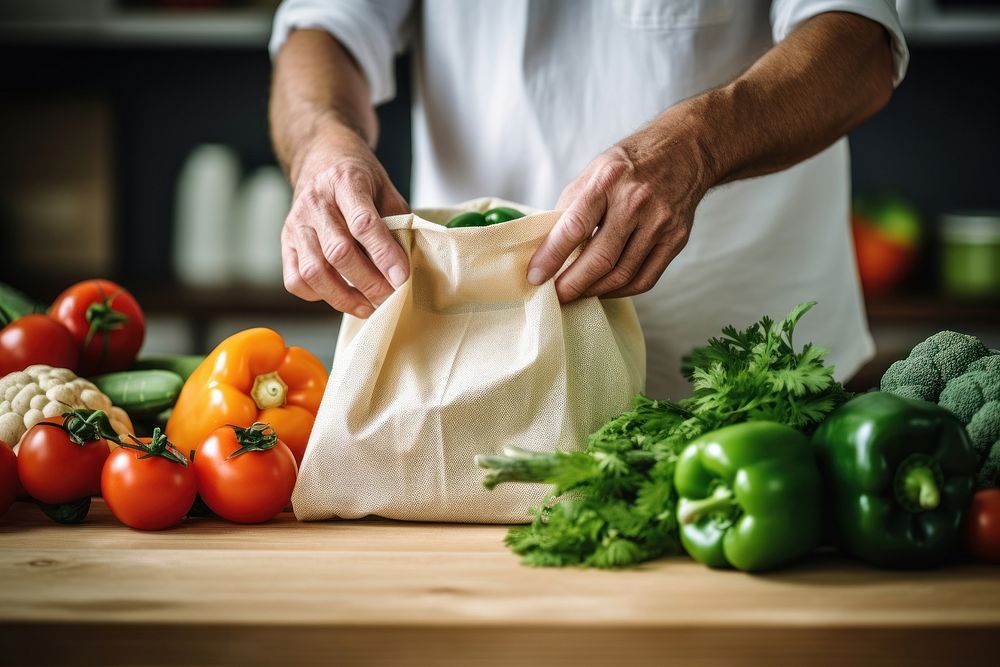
(255, 228)
(206, 195)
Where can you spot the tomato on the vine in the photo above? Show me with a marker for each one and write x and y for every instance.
(245, 475)
(106, 322)
(148, 483)
(8, 478)
(59, 462)
(36, 339)
(982, 526)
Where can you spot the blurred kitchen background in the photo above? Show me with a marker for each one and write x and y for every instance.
(131, 129)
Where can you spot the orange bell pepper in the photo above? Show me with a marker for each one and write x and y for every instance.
(250, 377)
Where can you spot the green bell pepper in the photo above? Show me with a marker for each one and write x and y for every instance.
(501, 214)
(493, 216)
(469, 219)
(750, 496)
(900, 475)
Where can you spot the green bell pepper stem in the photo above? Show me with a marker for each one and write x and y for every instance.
(719, 501)
(921, 489)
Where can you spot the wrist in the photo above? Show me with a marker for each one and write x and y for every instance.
(329, 135)
(677, 152)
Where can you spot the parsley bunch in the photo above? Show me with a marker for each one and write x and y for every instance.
(614, 504)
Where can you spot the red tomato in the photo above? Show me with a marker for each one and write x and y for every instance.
(150, 493)
(8, 477)
(56, 470)
(36, 339)
(256, 483)
(106, 322)
(883, 263)
(982, 526)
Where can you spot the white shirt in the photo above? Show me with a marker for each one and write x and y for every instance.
(514, 97)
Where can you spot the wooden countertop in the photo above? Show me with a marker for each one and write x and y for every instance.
(382, 592)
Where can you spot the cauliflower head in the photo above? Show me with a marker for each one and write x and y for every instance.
(39, 392)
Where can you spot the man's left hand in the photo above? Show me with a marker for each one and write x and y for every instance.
(639, 196)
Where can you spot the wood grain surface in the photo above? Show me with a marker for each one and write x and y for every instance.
(381, 592)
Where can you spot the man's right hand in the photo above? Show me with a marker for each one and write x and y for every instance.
(334, 245)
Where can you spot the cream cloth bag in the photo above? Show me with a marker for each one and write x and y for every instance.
(465, 358)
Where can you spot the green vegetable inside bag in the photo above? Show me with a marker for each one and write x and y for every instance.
(493, 216)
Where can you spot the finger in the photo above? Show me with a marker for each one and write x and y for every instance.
(575, 226)
(290, 273)
(638, 248)
(600, 255)
(390, 202)
(344, 254)
(317, 273)
(573, 190)
(355, 199)
(654, 266)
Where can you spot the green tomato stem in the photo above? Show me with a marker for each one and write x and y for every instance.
(258, 437)
(158, 445)
(720, 501)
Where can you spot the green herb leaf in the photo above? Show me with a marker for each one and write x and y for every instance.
(614, 504)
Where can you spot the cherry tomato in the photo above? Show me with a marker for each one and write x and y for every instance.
(36, 339)
(106, 322)
(8, 477)
(982, 526)
(245, 475)
(56, 470)
(148, 484)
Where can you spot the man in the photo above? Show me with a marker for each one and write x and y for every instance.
(627, 115)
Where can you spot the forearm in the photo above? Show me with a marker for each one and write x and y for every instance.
(640, 195)
(317, 89)
(819, 83)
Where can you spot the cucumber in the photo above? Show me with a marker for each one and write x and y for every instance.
(144, 392)
(14, 304)
(183, 364)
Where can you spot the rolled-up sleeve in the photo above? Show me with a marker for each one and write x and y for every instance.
(787, 15)
(373, 31)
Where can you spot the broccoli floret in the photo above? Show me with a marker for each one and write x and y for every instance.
(984, 428)
(975, 399)
(966, 394)
(989, 471)
(932, 364)
(955, 352)
(913, 378)
(989, 366)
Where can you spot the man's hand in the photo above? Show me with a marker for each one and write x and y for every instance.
(829, 75)
(334, 244)
(640, 197)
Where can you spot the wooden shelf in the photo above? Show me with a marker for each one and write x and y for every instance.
(934, 308)
(169, 297)
(243, 300)
(209, 303)
(223, 28)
